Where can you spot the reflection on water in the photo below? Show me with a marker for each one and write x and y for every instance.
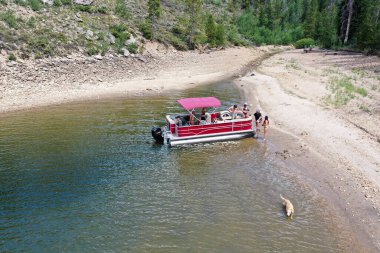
(87, 177)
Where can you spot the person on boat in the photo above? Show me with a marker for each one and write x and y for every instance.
(178, 121)
(193, 119)
(233, 110)
(266, 125)
(245, 110)
(203, 114)
(258, 119)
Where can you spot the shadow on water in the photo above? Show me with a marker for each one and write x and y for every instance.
(87, 177)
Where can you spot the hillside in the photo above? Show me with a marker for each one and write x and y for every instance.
(48, 28)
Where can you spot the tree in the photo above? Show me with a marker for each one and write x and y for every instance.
(350, 9)
(193, 7)
(210, 30)
(311, 20)
(220, 37)
(154, 13)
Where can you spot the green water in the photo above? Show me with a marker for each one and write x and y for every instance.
(87, 177)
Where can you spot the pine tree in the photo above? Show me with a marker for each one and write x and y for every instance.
(210, 30)
(220, 37)
(194, 8)
(154, 13)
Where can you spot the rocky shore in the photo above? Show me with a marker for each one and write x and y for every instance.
(26, 84)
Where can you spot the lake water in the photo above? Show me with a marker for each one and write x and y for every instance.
(87, 177)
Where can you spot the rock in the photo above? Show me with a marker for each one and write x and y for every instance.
(141, 58)
(126, 53)
(110, 38)
(11, 63)
(130, 41)
(79, 30)
(48, 2)
(89, 35)
(83, 2)
(98, 57)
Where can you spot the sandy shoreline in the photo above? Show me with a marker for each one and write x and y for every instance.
(330, 153)
(319, 143)
(26, 85)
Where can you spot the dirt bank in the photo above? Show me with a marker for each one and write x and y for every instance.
(333, 145)
(27, 84)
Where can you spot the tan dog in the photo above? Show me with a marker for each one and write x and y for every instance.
(289, 208)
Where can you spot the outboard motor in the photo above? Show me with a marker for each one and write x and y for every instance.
(157, 134)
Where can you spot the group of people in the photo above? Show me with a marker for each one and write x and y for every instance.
(234, 111)
(258, 118)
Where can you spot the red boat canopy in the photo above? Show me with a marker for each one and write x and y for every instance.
(192, 103)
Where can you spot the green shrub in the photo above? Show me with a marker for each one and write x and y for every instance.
(67, 2)
(45, 42)
(104, 47)
(306, 42)
(133, 48)
(102, 9)
(36, 5)
(12, 57)
(169, 38)
(121, 9)
(21, 2)
(146, 29)
(10, 18)
(57, 3)
(4, 2)
(361, 91)
(92, 49)
(84, 8)
(220, 36)
(40, 45)
(121, 34)
(31, 23)
(234, 37)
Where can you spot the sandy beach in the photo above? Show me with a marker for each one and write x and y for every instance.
(27, 84)
(335, 150)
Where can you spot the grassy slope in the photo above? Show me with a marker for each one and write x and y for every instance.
(62, 28)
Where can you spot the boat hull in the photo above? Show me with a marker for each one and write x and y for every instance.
(174, 141)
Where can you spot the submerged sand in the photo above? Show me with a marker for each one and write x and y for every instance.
(335, 150)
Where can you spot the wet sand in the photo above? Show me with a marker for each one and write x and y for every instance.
(318, 143)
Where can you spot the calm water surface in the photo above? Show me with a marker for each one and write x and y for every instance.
(87, 177)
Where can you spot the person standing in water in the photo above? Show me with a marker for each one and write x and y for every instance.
(258, 119)
(266, 125)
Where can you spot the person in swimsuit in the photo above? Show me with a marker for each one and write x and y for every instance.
(266, 125)
(245, 110)
(192, 118)
(233, 110)
(258, 119)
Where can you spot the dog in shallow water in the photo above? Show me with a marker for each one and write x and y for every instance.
(289, 208)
